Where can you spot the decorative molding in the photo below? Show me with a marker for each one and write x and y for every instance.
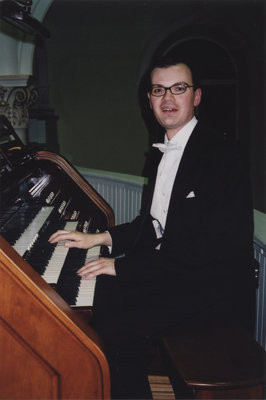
(14, 80)
(15, 103)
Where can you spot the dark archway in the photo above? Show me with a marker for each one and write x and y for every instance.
(221, 67)
(218, 77)
(43, 121)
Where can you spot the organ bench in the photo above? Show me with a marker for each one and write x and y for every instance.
(218, 363)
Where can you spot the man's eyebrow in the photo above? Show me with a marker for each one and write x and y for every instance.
(158, 84)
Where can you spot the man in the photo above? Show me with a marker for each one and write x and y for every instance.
(188, 257)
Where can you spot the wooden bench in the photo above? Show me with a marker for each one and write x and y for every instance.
(216, 363)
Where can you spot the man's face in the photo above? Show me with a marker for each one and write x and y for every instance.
(173, 111)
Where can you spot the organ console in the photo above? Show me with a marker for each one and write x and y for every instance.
(48, 350)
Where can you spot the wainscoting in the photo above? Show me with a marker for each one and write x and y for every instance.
(123, 193)
(260, 255)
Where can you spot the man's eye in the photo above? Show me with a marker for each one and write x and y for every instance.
(178, 88)
(157, 90)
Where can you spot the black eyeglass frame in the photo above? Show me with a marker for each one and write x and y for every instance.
(184, 84)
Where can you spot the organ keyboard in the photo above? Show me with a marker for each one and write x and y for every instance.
(41, 193)
(44, 200)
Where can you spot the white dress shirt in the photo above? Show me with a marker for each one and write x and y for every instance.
(166, 173)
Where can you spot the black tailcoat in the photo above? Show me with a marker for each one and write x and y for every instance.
(205, 262)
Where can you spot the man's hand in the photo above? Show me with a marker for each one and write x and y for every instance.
(81, 240)
(97, 267)
(86, 241)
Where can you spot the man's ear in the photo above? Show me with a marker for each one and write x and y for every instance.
(197, 97)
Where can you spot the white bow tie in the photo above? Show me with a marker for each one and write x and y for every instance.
(165, 147)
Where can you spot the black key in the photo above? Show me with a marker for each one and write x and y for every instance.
(68, 282)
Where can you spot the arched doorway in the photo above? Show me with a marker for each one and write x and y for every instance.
(209, 53)
(218, 76)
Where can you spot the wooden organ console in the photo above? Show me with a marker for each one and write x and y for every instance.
(48, 350)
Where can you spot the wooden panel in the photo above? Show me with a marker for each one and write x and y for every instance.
(28, 374)
(47, 327)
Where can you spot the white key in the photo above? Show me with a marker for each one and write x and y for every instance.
(87, 287)
(28, 236)
(54, 267)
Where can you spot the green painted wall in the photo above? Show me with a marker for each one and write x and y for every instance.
(93, 74)
(96, 55)
(97, 52)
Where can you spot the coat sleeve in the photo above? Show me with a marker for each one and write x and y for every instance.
(126, 236)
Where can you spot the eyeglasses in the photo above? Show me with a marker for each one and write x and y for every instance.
(176, 89)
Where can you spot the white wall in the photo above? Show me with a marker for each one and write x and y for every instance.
(17, 48)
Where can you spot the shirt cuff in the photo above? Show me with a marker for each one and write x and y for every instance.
(158, 228)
